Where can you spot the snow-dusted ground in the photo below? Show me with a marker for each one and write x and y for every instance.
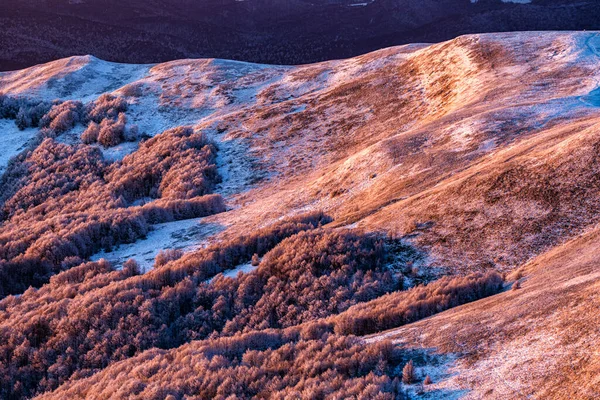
(116, 153)
(228, 100)
(152, 119)
(81, 78)
(232, 273)
(12, 141)
(439, 368)
(185, 235)
(234, 166)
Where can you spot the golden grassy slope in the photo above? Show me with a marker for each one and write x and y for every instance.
(539, 341)
(482, 151)
(489, 141)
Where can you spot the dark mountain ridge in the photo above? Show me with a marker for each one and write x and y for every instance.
(263, 31)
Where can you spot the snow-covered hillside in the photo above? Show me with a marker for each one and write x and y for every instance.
(480, 154)
(12, 141)
(276, 125)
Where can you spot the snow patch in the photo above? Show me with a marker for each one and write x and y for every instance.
(152, 118)
(593, 98)
(12, 141)
(233, 273)
(234, 166)
(185, 235)
(297, 109)
(116, 153)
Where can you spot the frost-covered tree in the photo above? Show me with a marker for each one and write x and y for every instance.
(408, 373)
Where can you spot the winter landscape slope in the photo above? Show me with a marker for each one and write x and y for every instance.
(474, 155)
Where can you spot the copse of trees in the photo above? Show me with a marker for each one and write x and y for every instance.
(65, 201)
(408, 373)
(57, 115)
(105, 107)
(166, 210)
(105, 117)
(311, 275)
(165, 256)
(30, 115)
(63, 116)
(107, 122)
(81, 273)
(26, 113)
(399, 308)
(51, 171)
(9, 107)
(90, 135)
(126, 315)
(110, 132)
(178, 164)
(277, 364)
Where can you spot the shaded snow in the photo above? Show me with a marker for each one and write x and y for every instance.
(440, 369)
(593, 98)
(116, 153)
(185, 235)
(152, 118)
(298, 109)
(95, 78)
(12, 141)
(234, 166)
(232, 273)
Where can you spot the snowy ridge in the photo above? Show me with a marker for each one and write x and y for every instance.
(480, 153)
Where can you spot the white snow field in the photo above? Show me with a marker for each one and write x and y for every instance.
(12, 141)
(182, 235)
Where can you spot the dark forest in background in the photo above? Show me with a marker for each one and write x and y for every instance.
(265, 31)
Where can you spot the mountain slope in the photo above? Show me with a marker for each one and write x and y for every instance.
(537, 341)
(466, 157)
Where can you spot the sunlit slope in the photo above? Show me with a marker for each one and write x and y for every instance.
(433, 135)
(538, 341)
(481, 154)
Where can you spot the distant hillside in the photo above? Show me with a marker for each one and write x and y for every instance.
(264, 31)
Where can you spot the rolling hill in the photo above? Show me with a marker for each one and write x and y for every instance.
(270, 208)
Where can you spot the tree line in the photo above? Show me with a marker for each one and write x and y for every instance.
(65, 200)
(308, 280)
